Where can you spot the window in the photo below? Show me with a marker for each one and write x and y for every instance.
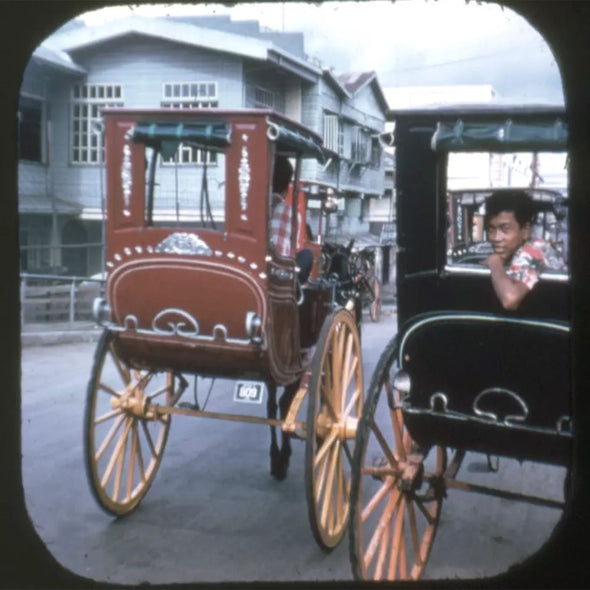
(333, 135)
(87, 101)
(190, 95)
(195, 95)
(30, 129)
(259, 97)
(375, 152)
(360, 145)
(472, 177)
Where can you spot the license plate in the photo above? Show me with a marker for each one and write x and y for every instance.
(250, 392)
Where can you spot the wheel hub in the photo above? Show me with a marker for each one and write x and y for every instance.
(345, 428)
(134, 402)
(412, 472)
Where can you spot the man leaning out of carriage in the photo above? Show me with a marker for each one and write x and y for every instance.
(517, 260)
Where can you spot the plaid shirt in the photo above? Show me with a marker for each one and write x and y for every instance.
(280, 228)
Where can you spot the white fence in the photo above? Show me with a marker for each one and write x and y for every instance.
(51, 298)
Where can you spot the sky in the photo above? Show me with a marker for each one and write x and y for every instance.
(407, 42)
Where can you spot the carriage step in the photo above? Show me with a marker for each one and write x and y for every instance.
(189, 406)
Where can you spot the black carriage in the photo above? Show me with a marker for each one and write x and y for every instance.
(462, 372)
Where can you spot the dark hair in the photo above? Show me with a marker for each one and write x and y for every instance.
(282, 174)
(516, 201)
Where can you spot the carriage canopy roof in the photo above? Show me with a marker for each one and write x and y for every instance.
(166, 136)
(505, 135)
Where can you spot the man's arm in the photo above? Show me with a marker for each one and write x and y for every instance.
(510, 291)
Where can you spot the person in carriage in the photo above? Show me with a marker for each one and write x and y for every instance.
(517, 260)
(280, 225)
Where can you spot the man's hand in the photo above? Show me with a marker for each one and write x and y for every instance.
(494, 262)
(510, 292)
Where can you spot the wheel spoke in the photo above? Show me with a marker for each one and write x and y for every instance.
(132, 455)
(414, 532)
(328, 505)
(164, 389)
(429, 518)
(341, 490)
(148, 437)
(320, 478)
(381, 527)
(109, 389)
(107, 416)
(140, 461)
(377, 498)
(115, 456)
(347, 451)
(121, 368)
(325, 447)
(398, 435)
(384, 445)
(397, 535)
(109, 437)
(403, 566)
(384, 544)
(354, 398)
(347, 371)
(121, 462)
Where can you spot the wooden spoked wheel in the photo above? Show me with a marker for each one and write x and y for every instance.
(124, 436)
(397, 492)
(375, 307)
(334, 407)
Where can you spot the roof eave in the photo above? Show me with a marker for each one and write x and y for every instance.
(327, 73)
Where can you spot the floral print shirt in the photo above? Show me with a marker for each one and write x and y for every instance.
(530, 260)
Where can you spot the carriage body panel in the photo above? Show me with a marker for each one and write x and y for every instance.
(184, 295)
(474, 386)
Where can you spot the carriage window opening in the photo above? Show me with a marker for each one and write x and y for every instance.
(472, 177)
(184, 196)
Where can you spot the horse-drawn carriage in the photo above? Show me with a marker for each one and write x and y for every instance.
(462, 373)
(196, 286)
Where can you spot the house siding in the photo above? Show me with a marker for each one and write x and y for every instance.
(141, 64)
(147, 65)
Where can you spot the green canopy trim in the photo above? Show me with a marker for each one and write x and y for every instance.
(292, 140)
(167, 136)
(507, 135)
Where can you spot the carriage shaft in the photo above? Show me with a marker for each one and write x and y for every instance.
(471, 487)
(161, 410)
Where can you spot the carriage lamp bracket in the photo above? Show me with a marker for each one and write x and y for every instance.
(254, 327)
(101, 311)
(403, 384)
